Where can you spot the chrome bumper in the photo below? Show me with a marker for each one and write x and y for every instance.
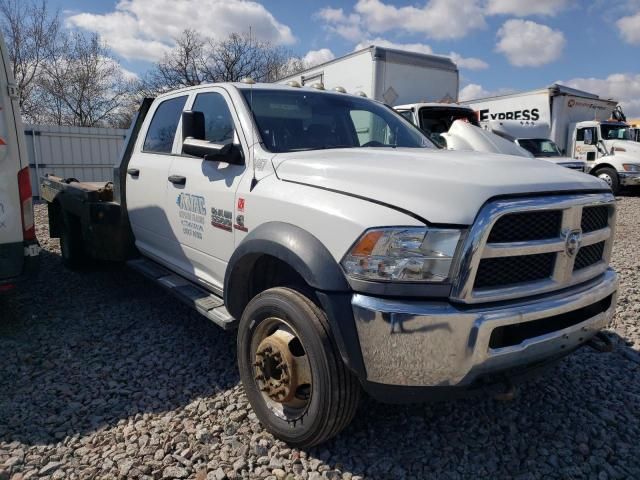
(629, 179)
(441, 344)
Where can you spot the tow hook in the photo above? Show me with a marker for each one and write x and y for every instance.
(509, 393)
(601, 342)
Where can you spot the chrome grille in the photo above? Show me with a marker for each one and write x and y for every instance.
(588, 256)
(521, 227)
(594, 218)
(523, 247)
(505, 271)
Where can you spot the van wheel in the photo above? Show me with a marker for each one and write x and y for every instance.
(610, 176)
(71, 245)
(291, 369)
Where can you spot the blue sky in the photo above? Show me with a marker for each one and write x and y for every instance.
(499, 45)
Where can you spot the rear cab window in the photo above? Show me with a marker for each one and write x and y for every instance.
(163, 126)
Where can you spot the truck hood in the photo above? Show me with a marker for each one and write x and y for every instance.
(439, 186)
(632, 148)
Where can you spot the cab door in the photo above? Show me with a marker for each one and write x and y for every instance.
(146, 183)
(202, 204)
(586, 145)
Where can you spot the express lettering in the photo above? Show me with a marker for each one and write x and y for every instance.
(532, 114)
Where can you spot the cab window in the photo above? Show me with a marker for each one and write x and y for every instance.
(164, 123)
(218, 123)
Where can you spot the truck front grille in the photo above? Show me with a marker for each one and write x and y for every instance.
(523, 247)
(522, 227)
(505, 271)
(594, 218)
(589, 255)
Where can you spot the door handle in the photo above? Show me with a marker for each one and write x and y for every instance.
(134, 172)
(178, 179)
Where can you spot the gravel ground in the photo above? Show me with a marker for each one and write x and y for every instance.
(104, 376)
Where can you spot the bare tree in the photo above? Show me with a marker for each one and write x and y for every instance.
(29, 29)
(195, 60)
(81, 85)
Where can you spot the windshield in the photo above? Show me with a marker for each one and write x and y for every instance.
(297, 120)
(615, 132)
(540, 147)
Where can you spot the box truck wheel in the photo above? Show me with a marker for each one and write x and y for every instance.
(610, 176)
(71, 243)
(291, 369)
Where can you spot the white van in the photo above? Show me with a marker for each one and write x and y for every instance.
(19, 248)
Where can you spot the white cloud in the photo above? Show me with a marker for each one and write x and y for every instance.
(521, 8)
(346, 26)
(473, 91)
(439, 19)
(529, 44)
(630, 28)
(145, 29)
(623, 87)
(316, 57)
(468, 63)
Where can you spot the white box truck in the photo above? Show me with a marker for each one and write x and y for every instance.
(578, 122)
(391, 76)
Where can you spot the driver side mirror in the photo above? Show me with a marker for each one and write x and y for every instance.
(194, 143)
(588, 137)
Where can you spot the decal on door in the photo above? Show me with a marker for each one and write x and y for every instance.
(222, 219)
(239, 224)
(192, 214)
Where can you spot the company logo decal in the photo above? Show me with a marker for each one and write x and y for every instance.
(526, 114)
(572, 102)
(192, 214)
(222, 219)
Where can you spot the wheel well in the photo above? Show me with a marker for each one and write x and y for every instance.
(596, 169)
(258, 273)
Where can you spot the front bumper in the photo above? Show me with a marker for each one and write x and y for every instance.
(439, 344)
(629, 179)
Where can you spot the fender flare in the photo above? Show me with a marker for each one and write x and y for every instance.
(295, 246)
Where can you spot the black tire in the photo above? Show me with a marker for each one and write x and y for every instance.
(334, 392)
(71, 243)
(610, 176)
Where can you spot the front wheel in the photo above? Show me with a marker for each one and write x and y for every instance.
(291, 369)
(610, 176)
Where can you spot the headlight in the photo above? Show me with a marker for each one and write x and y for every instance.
(630, 167)
(403, 254)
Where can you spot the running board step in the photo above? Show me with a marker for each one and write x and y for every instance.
(206, 303)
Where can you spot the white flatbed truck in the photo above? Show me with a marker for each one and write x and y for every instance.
(345, 257)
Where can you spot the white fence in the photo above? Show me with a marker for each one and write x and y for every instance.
(88, 154)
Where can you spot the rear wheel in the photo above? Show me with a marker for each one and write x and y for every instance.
(291, 369)
(71, 244)
(610, 176)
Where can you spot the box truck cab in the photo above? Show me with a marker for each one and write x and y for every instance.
(608, 147)
(567, 114)
(18, 246)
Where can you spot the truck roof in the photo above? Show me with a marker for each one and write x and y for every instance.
(432, 104)
(553, 90)
(255, 86)
(389, 55)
